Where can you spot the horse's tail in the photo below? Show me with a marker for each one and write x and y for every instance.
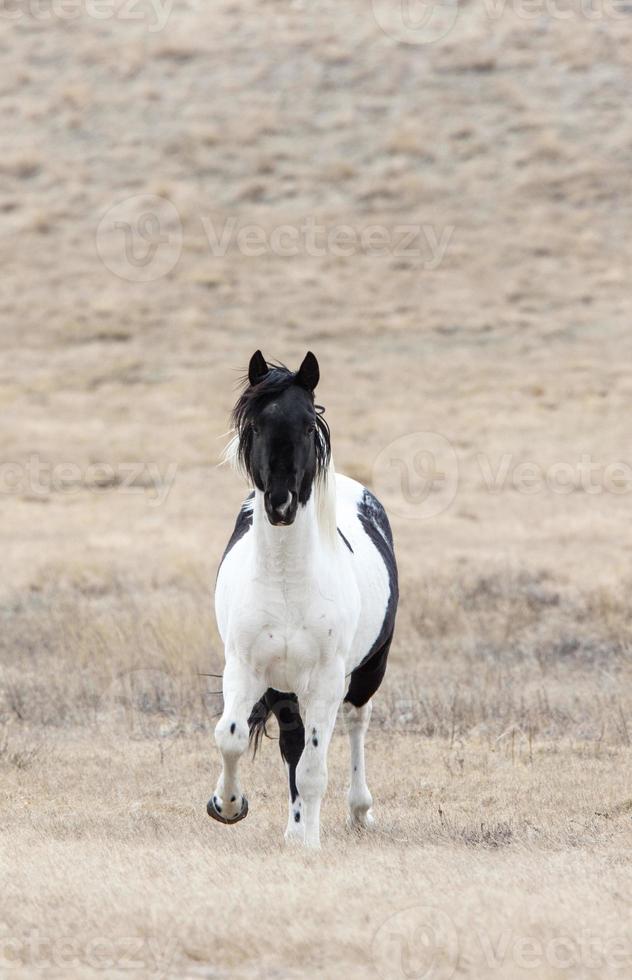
(284, 706)
(257, 723)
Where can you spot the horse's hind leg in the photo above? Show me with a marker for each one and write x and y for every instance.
(360, 799)
(241, 689)
(365, 681)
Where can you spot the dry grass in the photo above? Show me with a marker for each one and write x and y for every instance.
(492, 658)
(499, 758)
(111, 842)
(499, 753)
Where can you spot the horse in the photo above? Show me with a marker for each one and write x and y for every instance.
(305, 600)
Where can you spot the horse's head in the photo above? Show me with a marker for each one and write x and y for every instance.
(283, 441)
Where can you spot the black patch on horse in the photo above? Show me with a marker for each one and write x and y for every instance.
(344, 539)
(242, 525)
(368, 675)
(285, 708)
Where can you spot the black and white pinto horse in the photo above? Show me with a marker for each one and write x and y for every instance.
(305, 600)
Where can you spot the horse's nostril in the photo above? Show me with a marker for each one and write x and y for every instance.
(284, 507)
(281, 502)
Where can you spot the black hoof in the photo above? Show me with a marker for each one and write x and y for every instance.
(215, 813)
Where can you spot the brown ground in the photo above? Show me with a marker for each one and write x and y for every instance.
(500, 753)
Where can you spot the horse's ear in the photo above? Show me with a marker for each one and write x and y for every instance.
(308, 374)
(257, 369)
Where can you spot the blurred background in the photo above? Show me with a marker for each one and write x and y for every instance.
(433, 199)
(444, 222)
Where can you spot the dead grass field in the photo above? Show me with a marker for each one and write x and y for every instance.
(500, 749)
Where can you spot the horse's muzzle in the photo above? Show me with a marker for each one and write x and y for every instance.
(280, 507)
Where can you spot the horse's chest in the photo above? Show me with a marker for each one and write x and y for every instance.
(288, 632)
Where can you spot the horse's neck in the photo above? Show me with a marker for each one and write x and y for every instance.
(285, 553)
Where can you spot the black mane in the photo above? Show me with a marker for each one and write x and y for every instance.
(254, 398)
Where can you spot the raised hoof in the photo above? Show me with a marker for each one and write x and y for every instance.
(213, 812)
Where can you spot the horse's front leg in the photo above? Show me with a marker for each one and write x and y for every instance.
(320, 706)
(242, 688)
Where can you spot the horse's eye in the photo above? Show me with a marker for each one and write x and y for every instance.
(309, 428)
(255, 430)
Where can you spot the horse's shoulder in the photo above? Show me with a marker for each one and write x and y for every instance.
(348, 489)
(366, 508)
(242, 524)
